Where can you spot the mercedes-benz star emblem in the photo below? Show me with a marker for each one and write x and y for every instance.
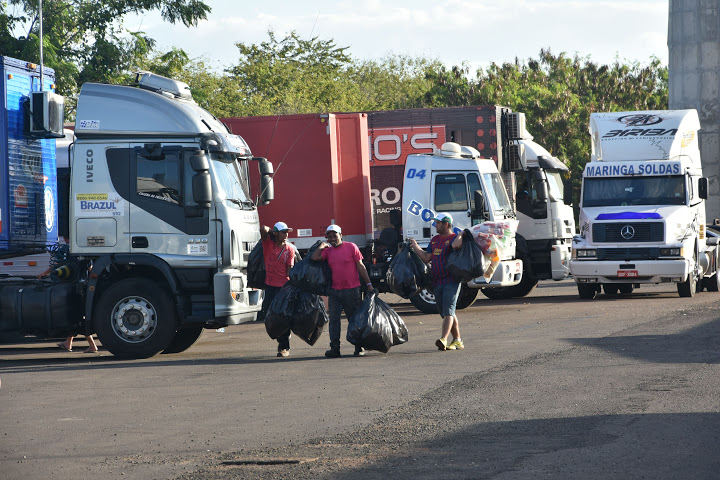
(627, 232)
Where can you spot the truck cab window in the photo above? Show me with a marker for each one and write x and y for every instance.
(160, 179)
(450, 192)
(473, 184)
(527, 200)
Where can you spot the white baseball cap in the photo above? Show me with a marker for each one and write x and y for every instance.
(281, 227)
(334, 228)
(443, 217)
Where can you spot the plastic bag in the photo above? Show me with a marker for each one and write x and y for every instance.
(376, 326)
(298, 311)
(468, 262)
(407, 274)
(309, 317)
(313, 276)
(494, 238)
(256, 268)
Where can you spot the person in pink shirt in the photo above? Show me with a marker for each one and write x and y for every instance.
(345, 261)
(279, 256)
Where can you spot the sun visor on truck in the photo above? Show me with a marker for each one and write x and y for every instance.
(537, 156)
(644, 135)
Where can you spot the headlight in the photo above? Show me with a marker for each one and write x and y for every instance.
(586, 253)
(671, 252)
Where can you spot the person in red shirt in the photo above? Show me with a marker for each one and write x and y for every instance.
(345, 261)
(279, 256)
(445, 288)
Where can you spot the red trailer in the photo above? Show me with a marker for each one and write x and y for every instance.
(322, 173)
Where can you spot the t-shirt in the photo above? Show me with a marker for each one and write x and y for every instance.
(343, 264)
(276, 261)
(440, 247)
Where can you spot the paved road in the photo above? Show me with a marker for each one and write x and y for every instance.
(548, 386)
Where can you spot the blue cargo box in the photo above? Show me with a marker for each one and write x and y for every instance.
(28, 177)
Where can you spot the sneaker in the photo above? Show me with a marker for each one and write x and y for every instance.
(456, 345)
(441, 343)
(359, 351)
(333, 353)
(283, 353)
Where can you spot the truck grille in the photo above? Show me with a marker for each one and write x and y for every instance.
(628, 253)
(643, 232)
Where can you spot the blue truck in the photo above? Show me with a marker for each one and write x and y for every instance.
(28, 175)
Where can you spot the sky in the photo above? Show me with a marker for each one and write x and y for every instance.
(477, 32)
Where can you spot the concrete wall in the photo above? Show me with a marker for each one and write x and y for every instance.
(694, 81)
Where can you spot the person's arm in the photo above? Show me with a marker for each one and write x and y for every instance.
(424, 256)
(317, 254)
(364, 275)
(457, 243)
(264, 232)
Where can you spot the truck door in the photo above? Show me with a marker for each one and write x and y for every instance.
(161, 215)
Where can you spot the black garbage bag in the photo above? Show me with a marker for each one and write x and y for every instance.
(376, 326)
(407, 274)
(309, 317)
(311, 275)
(256, 267)
(468, 262)
(296, 310)
(279, 315)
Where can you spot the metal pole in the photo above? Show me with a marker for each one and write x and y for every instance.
(41, 48)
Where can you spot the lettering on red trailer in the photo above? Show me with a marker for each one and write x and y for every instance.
(393, 145)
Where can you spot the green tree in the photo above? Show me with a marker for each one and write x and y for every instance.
(83, 40)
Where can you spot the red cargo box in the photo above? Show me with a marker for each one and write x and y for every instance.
(322, 173)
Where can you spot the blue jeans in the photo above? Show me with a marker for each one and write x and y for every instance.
(446, 298)
(339, 300)
(270, 292)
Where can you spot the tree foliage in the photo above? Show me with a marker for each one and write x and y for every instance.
(84, 40)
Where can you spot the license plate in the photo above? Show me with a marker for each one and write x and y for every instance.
(627, 273)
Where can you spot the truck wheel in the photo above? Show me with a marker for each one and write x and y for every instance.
(689, 286)
(184, 339)
(610, 289)
(135, 318)
(587, 292)
(466, 297)
(424, 301)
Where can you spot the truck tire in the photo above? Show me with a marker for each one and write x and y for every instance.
(688, 288)
(135, 318)
(713, 283)
(610, 289)
(184, 339)
(587, 292)
(424, 301)
(466, 297)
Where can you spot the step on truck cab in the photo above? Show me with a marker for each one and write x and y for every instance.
(642, 208)
(457, 181)
(161, 223)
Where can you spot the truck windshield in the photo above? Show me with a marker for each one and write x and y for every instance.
(497, 196)
(620, 191)
(232, 178)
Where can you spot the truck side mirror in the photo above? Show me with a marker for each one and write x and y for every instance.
(703, 188)
(201, 183)
(267, 189)
(567, 191)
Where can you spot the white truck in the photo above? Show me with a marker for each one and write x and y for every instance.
(642, 208)
(160, 224)
(457, 181)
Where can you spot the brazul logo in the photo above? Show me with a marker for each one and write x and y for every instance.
(640, 120)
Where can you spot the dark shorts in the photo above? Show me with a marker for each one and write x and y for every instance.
(446, 297)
